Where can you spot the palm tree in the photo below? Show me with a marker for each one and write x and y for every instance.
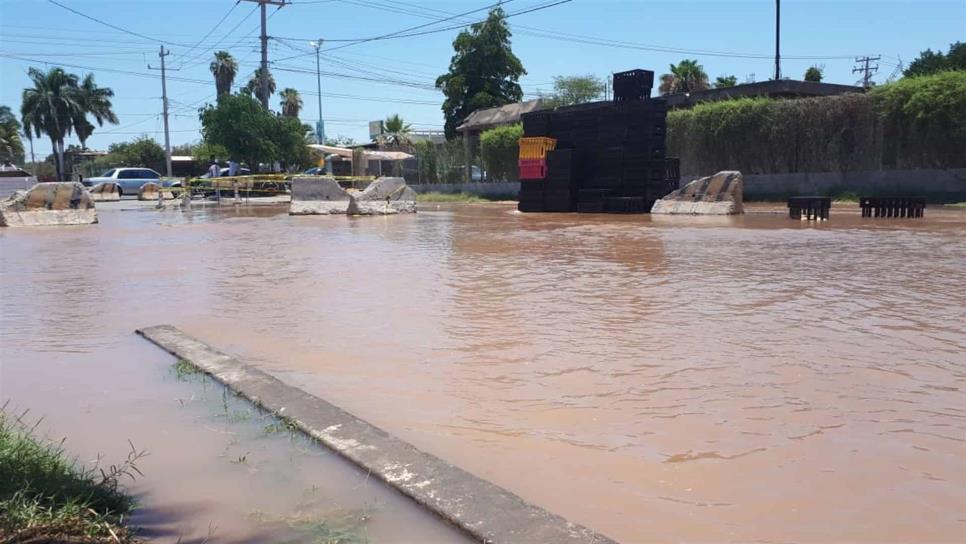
(395, 132)
(50, 107)
(96, 102)
(255, 85)
(291, 102)
(11, 146)
(224, 69)
(687, 77)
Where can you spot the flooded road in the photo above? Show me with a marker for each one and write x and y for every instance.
(654, 378)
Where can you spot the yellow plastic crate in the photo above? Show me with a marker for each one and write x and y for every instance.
(536, 148)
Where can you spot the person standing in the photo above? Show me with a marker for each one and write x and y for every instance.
(232, 167)
(214, 170)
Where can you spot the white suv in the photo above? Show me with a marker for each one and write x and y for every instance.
(129, 180)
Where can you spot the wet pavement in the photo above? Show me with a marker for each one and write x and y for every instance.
(654, 378)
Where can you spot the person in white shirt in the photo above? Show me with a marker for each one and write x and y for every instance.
(232, 167)
(214, 170)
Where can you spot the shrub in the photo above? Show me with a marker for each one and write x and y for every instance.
(500, 149)
(912, 123)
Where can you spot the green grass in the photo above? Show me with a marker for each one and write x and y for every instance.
(462, 197)
(957, 205)
(183, 369)
(46, 496)
(846, 196)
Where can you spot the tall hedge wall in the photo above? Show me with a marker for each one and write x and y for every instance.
(912, 123)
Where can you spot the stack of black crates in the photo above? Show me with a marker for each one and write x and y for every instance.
(609, 157)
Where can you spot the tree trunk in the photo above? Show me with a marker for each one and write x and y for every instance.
(57, 165)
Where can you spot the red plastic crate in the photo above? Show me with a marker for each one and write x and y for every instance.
(533, 168)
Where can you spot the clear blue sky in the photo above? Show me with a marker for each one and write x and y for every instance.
(550, 42)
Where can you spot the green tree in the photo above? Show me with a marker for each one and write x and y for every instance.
(483, 72)
(340, 141)
(96, 102)
(50, 107)
(143, 151)
(929, 62)
(686, 77)
(723, 82)
(11, 146)
(426, 161)
(814, 73)
(570, 90)
(240, 125)
(291, 102)
(254, 85)
(500, 148)
(395, 132)
(224, 68)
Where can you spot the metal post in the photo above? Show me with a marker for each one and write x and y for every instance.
(264, 77)
(778, 28)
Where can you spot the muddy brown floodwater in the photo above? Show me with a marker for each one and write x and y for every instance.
(657, 379)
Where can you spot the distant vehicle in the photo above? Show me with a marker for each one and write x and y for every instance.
(315, 171)
(129, 180)
(224, 173)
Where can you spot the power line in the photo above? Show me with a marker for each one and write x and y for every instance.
(115, 27)
(203, 38)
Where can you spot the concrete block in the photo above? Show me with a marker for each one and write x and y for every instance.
(149, 191)
(105, 192)
(49, 204)
(720, 194)
(384, 196)
(318, 196)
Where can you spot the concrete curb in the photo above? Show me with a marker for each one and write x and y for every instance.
(487, 512)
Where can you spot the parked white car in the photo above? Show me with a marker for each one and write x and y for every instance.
(129, 180)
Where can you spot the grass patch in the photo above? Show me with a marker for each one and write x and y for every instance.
(46, 496)
(335, 528)
(465, 198)
(183, 369)
(957, 205)
(846, 196)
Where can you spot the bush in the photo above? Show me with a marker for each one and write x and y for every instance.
(500, 149)
(913, 123)
(924, 121)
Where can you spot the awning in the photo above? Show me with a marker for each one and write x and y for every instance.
(369, 155)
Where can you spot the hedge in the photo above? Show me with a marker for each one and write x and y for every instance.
(912, 123)
(500, 149)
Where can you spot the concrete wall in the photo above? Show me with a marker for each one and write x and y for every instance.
(500, 189)
(935, 185)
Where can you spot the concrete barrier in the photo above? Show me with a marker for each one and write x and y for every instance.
(317, 196)
(49, 204)
(149, 191)
(720, 194)
(107, 191)
(385, 196)
(485, 511)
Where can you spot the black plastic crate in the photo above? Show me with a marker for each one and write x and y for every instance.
(590, 206)
(625, 204)
(530, 205)
(633, 85)
(536, 123)
(559, 158)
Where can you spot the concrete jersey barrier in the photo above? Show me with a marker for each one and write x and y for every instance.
(385, 196)
(720, 194)
(317, 196)
(107, 191)
(49, 204)
(149, 191)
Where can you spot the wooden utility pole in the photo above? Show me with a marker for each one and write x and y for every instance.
(866, 70)
(263, 80)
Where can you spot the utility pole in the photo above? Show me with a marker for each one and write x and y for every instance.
(164, 109)
(320, 129)
(264, 37)
(866, 70)
(778, 33)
